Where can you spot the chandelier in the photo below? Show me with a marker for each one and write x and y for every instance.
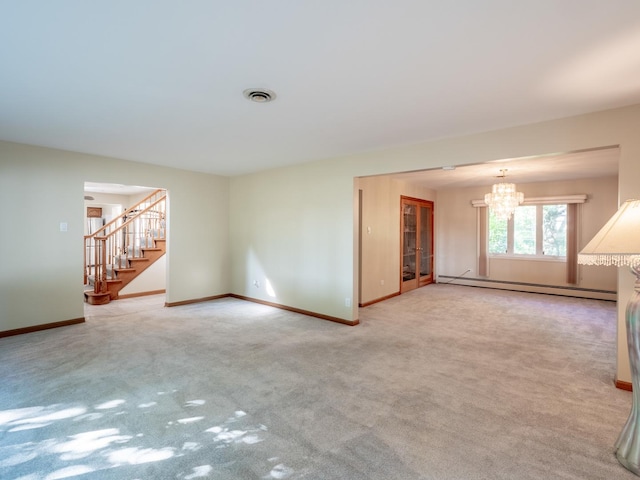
(503, 198)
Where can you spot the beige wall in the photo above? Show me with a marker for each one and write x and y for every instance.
(41, 279)
(296, 224)
(457, 228)
(380, 241)
(456, 248)
(292, 225)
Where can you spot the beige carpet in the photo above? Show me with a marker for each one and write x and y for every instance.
(446, 382)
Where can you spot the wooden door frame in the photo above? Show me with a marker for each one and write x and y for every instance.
(405, 286)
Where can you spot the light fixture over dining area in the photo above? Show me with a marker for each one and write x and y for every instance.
(503, 199)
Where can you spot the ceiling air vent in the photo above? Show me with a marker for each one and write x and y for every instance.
(259, 95)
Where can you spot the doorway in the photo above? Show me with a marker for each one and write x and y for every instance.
(416, 233)
(106, 203)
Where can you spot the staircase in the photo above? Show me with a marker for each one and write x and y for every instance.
(125, 247)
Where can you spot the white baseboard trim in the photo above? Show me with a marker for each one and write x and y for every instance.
(564, 290)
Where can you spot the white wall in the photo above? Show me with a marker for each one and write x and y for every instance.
(150, 280)
(41, 279)
(111, 204)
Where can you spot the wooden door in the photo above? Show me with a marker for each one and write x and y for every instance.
(416, 236)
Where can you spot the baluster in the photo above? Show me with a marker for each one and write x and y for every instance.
(96, 267)
(103, 264)
(84, 265)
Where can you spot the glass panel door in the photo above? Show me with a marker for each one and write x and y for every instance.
(409, 251)
(426, 242)
(417, 243)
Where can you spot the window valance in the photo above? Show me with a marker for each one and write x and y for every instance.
(552, 200)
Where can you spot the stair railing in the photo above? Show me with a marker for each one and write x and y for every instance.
(100, 283)
(123, 238)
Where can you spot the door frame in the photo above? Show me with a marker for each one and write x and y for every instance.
(418, 280)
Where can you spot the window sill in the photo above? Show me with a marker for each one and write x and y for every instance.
(534, 258)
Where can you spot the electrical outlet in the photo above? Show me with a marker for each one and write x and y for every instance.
(347, 302)
(381, 282)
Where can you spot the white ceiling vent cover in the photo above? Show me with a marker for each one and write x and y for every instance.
(259, 95)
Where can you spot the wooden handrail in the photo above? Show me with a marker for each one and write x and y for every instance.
(129, 210)
(132, 219)
(108, 246)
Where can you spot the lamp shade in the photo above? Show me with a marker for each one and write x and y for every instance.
(618, 242)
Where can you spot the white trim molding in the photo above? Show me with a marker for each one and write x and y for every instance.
(553, 200)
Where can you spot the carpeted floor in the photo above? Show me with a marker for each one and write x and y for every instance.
(445, 382)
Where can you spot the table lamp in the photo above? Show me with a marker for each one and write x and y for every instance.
(618, 243)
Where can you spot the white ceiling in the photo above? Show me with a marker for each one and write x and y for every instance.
(586, 164)
(116, 188)
(161, 81)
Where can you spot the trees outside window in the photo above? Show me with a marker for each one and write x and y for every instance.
(524, 230)
(532, 231)
(554, 230)
(497, 235)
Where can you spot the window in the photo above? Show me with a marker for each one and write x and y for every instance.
(532, 231)
(554, 230)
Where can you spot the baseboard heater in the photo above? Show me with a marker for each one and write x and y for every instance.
(530, 287)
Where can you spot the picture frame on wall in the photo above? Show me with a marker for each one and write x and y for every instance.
(94, 212)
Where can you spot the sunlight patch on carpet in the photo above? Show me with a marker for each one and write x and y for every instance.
(53, 442)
